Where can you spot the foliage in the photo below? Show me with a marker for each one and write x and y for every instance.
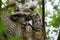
(2, 25)
(55, 22)
(14, 38)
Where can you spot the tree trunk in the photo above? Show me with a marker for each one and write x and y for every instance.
(39, 33)
(58, 36)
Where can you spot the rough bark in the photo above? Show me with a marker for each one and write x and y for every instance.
(28, 32)
(34, 32)
(38, 32)
(12, 28)
(10, 24)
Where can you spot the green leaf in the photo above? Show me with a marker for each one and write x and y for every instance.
(55, 21)
(55, 30)
(39, 3)
(11, 9)
(14, 38)
(0, 3)
(56, 7)
(2, 26)
(40, 10)
(1, 14)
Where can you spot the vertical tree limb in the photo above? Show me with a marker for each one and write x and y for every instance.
(43, 17)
